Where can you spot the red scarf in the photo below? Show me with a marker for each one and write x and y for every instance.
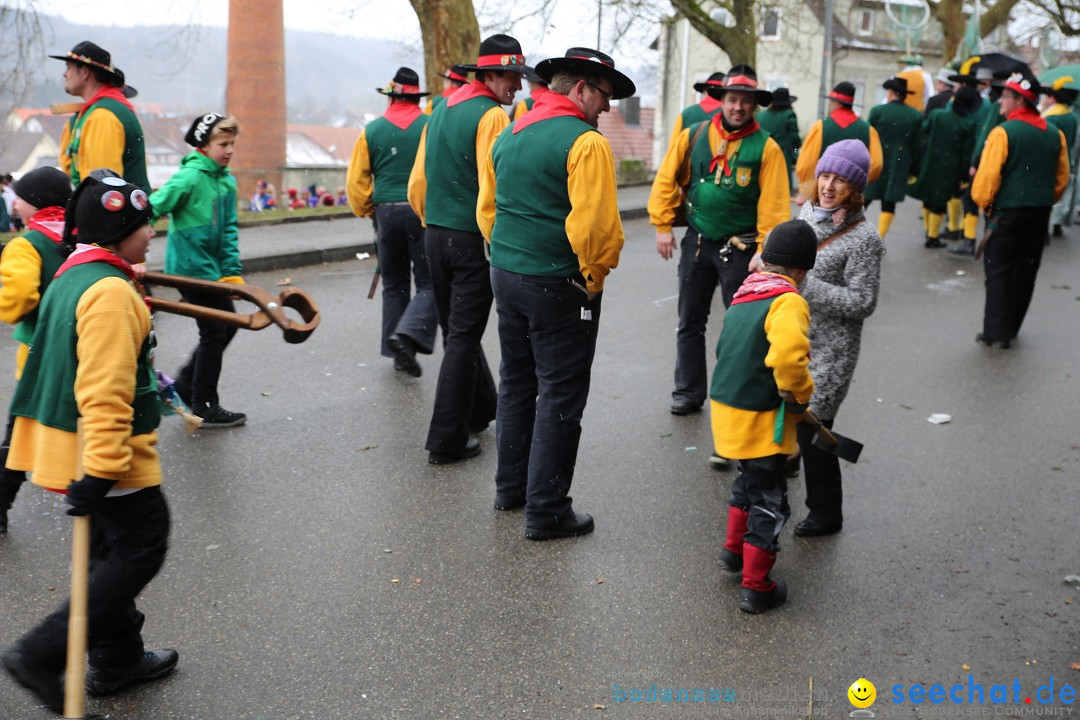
(93, 253)
(402, 114)
(1028, 114)
(472, 90)
(709, 103)
(49, 222)
(537, 91)
(726, 139)
(107, 92)
(548, 105)
(762, 285)
(843, 116)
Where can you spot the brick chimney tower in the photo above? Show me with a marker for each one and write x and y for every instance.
(255, 92)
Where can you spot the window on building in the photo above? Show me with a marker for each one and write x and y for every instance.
(772, 82)
(770, 24)
(866, 22)
(859, 93)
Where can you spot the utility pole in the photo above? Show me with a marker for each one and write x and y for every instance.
(599, 18)
(826, 58)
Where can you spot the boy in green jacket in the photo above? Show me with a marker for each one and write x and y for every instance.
(201, 199)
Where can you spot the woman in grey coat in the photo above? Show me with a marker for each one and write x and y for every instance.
(842, 290)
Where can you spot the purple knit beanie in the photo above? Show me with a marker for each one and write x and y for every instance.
(849, 159)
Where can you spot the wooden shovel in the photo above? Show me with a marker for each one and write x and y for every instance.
(832, 443)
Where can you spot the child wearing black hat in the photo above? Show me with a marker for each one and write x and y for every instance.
(201, 201)
(90, 365)
(759, 387)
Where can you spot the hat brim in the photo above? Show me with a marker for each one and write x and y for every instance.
(382, 91)
(889, 85)
(763, 97)
(621, 85)
(784, 103)
(506, 68)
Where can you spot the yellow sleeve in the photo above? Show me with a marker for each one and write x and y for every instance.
(491, 124)
(787, 326)
(359, 184)
(65, 140)
(102, 143)
(429, 107)
(520, 109)
(809, 155)
(417, 189)
(1061, 179)
(232, 279)
(673, 174)
(876, 156)
(774, 202)
(20, 280)
(111, 322)
(485, 200)
(593, 226)
(987, 181)
(678, 129)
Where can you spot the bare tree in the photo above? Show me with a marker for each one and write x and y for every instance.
(21, 53)
(451, 35)
(950, 15)
(739, 42)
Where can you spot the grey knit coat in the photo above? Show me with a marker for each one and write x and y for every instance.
(842, 291)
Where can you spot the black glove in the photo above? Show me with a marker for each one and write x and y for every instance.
(796, 408)
(84, 495)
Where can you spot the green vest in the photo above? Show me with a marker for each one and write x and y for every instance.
(992, 120)
(695, 114)
(741, 378)
(897, 125)
(531, 199)
(719, 207)
(50, 263)
(392, 151)
(831, 132)
(1066, 123)
(46, 391)
(1027, 178)
(450, 164)
(778, 123)
(529, 104)
(134, 157)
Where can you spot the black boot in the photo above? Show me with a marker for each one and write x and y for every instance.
(10, 482)
(965, 248)
(933, 242)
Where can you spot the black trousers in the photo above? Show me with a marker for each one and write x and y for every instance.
(402, 262)
(10, 480)
(703, 265)
(465, 397)
(1011, 262)
(821, 474)
(547, 333)
(129, 540)
(760, 489)
(200, 374)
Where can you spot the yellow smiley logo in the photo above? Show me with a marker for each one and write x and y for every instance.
(862, 693)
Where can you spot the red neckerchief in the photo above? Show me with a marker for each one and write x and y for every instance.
(763, 285)
(548, 105)
(49, 222)
(110, 92)
(450, 90)
(401, 114)
(843, 116)
(726, 138)
(93, 253)
(472, 90)
(537, 91)
(1028, 114)
(709, 103)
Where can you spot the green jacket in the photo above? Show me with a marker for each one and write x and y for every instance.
(897, 125)
(201, 199)
(945, 142)
(783, 126)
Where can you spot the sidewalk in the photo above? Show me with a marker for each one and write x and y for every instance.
(336, 238)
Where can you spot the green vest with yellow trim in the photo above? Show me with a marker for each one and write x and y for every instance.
(134, 157)
(531, 198)
(718, 207)
(46, 391)
(450, 164)
(50, 263)
(1027, 178)
(741, 378)
(831, 132)
(391, 151)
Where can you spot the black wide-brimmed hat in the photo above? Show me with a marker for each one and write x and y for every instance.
(743, 79)
(966, 100)
(897, 85)
(843, 93)
(457, 73)
(499, 52)
(782, 99)
(588, 62)
(532, 76)
(406, 83)
(966, 76)
(91, 55)
(715, 80)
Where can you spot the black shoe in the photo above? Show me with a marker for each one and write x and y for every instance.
(578, 525)
(404, 354)
(45, 685)
(683, 406)
(811, 527)
(719, 462)
(995, 344)
(730, 562)
(515, 502)
(215, 416)
(933, 242)
(756, 602)
(951, 234)
(3, 518)
(471, 450)
(965, 248)
(155, 664)
(1056, 232)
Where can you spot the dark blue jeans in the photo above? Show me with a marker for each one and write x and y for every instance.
(547, 333)
(760, 489)
(200, 374)
(402, 261)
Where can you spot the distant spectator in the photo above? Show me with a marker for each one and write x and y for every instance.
(342, 198)
(271, 197)
(294, 199)
(305, 199)
(259, 199)
(327, 200)
(8, 218)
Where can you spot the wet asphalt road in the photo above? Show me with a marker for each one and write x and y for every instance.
(321, 568)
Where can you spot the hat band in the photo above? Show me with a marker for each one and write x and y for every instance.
(739, 80)
(90, 61)
(590, 59)
(401, 89)
(1027, 94)
(488, 60)
(715, 83)
(849, 99)
(455, 76)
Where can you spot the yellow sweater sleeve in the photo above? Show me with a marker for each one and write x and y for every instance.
(359, 184)
(520, 109)
(417, 188)
(673, 174)
(593, 226)
(102, 143)
(111, 322)
(787, 326)
(485, 199)
(774, 202)
(65, 140)
(20, 280)
(876, 156)
(809, 154)
(987, 181)
(1061, 178)
(491, 124)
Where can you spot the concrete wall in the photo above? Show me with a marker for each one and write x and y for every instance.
(330, 178)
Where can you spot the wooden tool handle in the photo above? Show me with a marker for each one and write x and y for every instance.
(78, 623)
